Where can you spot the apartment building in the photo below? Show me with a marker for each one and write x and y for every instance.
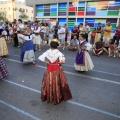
(12, 7)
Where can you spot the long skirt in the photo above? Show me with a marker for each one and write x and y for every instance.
(97, 37)
(3, 47)
(3, 69)
(88, 64)
(55, 87)
(27, 52)
(37, 40)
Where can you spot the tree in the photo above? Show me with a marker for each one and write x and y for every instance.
(2, 15)
(23, 15)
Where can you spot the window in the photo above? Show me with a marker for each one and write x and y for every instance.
(32, 11)
(1, 8)
(26, 10)
(9, 8)
(4, 9)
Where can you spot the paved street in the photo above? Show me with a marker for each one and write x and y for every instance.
(96, 93)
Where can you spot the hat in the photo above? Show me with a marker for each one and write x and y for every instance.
(4, 33)
(55, 40)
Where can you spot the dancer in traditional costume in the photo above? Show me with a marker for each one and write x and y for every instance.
(27, 52)
(3, 69)
(54, 84)
(37, 41)
(3, 45)
(83, 61)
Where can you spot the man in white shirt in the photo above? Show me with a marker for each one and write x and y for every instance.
(37, 41)
(61, 36)
(87, 31)
(20, 27)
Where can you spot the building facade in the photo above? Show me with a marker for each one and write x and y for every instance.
(87, 11)
(12, 9)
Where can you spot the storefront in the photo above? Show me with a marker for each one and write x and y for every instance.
(91, 12)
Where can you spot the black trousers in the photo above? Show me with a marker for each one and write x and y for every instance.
(116, 39)
(86, 34)
(15, 40)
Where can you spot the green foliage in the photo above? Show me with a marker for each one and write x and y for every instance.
(2, 15)
(23, 15)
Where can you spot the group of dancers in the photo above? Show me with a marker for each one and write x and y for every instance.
(54, 84)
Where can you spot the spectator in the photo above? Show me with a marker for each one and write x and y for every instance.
(7, 30)
(2, 27)
(66, 34)
(37, 41)
(107, 33)
(56, 29)
(14, 27)
(74, 32)
(116, 37)
(87, 31)
(10, 32)
(20, 28)
(81, 29)
(118, 51)
(73, 44)
(98, 34)
(42, 31)
(98, 48)
(102, 30)
(61, 35)
(112, 49)
(25, 25)
(46, 33)
(92, 40)
(106, 47)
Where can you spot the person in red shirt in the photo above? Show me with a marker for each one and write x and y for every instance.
(116, 37)
(92, 40)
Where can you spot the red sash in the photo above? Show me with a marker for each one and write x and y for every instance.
(53, 66)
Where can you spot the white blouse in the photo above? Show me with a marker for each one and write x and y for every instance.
(20, 27)
(42, 29)
(52, 55)
(27, 37)
(88, 45)
(38, 30)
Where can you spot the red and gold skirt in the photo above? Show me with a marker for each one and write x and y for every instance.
(55, 87)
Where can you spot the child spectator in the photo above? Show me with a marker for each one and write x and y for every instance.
(112, 49)
(92, 40)
(98, 48)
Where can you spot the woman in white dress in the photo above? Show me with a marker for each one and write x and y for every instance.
(83, 61)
